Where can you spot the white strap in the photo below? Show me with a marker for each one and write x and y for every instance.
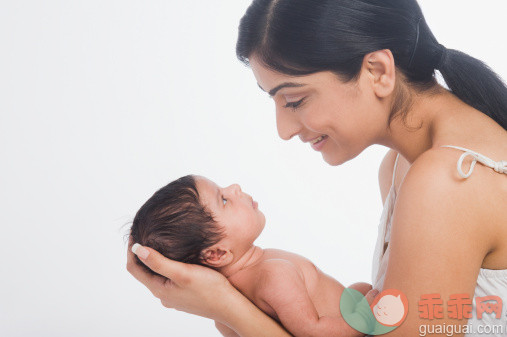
(500, 166)
(394, 169)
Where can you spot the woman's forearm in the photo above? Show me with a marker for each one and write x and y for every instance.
(247, 320)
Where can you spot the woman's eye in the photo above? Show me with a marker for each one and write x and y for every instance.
(224, 200)
(294, 105)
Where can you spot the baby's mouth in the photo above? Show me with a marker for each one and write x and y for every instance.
(254, 204)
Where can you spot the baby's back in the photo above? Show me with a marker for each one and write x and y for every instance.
(323, 290)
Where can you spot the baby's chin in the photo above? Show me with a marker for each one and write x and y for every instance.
(261, 228)
(263, 224)
(263, 219)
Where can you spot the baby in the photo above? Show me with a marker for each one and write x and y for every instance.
(193, 220)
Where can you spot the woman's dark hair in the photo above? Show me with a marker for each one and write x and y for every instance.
(175, 223)
(300, 37)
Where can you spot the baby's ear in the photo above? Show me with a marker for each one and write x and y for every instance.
(216, 256)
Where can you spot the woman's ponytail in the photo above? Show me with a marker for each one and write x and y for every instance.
(472, 81)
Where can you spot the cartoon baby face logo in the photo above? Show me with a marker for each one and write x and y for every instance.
(390, 307)
(387, 311)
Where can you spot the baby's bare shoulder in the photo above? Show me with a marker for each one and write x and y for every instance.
(306, 268)
(273, 266)
(276, 274)
(297, 260)
(276, 266)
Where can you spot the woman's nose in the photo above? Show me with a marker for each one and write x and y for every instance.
(286, 124)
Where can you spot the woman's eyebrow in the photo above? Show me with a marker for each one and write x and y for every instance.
(273, 91)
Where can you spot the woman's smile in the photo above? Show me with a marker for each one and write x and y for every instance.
(316, 143)
(319, 142)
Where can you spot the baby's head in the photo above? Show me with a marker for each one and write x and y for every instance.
(193, 220)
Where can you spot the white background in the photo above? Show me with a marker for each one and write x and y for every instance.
(103, 102)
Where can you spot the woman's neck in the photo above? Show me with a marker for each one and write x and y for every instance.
(432, 119)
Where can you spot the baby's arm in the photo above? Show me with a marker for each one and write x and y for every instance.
(225, 330)
(282, 288)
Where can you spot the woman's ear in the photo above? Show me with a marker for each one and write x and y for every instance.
(217, 256)
(381, 72)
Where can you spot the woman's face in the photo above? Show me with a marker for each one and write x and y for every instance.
(338, 119)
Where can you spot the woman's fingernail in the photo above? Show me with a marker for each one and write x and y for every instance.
(140, 251)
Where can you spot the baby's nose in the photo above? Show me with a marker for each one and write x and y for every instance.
(236, 187)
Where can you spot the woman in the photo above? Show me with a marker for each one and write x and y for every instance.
(348, 74)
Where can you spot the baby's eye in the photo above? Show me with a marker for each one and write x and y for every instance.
(224, 200)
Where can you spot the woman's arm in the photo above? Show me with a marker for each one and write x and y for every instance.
(201, 291)
(438, 241)
(225, 330)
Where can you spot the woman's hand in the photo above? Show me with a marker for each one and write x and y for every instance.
(200, 291)
(190, 288)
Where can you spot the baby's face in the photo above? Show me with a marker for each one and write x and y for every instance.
(234, 210)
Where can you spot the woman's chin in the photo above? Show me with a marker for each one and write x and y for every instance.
(332, 160)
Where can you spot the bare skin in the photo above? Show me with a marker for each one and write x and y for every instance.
(452, 227)
(201, 291)
(272, 279)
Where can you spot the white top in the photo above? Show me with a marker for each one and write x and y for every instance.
(489, 281)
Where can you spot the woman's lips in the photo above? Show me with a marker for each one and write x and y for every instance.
(318, 146)
(254, 204)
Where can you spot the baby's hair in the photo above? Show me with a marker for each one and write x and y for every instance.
(175, 223)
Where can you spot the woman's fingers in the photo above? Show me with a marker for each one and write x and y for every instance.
(176, 271)
(186, 287)
(152, 282)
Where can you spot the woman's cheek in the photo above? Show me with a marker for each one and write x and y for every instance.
(313, 121)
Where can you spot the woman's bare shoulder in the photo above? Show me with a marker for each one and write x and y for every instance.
(440, 166)
(435, 171)
(433, 189)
